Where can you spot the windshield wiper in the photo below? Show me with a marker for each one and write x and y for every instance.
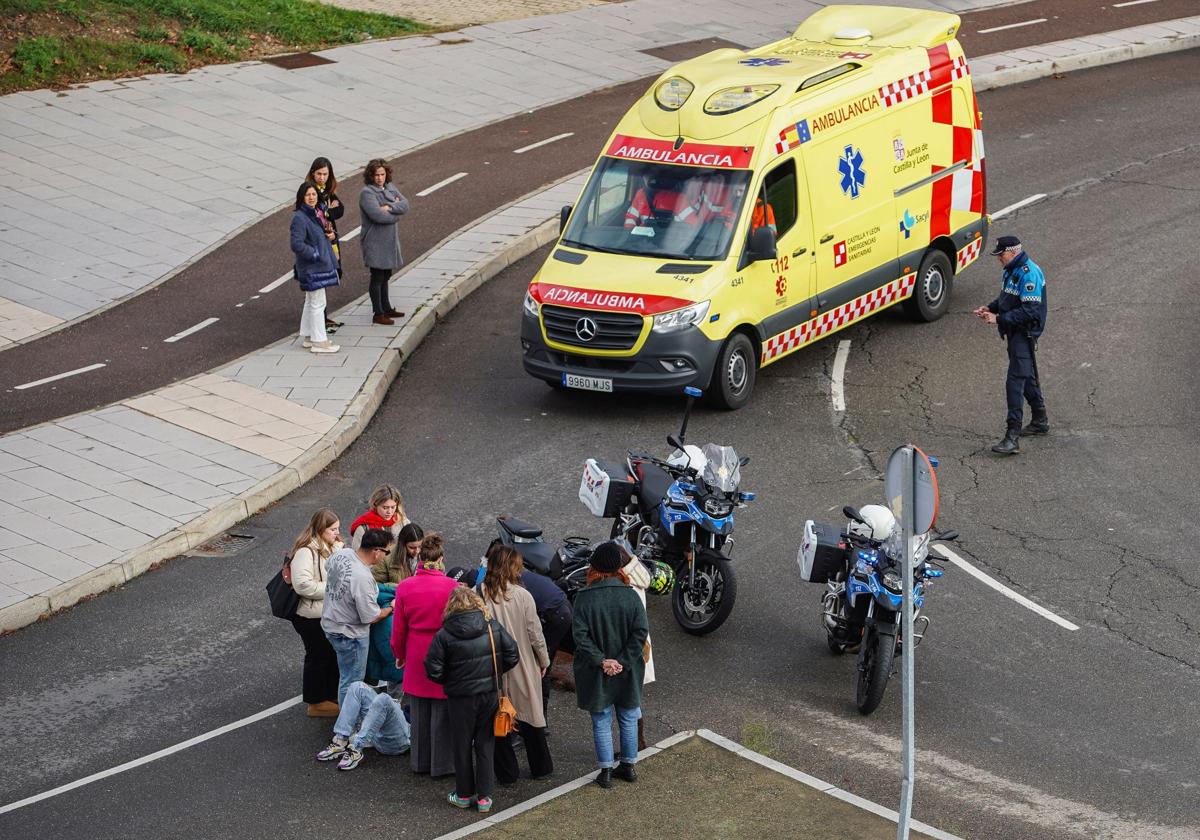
(600, 249)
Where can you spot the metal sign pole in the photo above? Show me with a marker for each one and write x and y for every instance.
(908, 707)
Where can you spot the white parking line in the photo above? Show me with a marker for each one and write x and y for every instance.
(1014, 207)
(545, 142)
(947, 554)
(146, 759)
(837, 390)
(194, 328)
(58, 376)
(1132, 3)
(1011, 26)
(441, 184)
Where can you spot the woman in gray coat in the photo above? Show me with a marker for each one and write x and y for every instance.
(381, 205)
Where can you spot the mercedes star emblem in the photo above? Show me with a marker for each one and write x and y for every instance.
(585, 328)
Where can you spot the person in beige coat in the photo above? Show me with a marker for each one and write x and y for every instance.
(639, 579)
(514, 608)
(307, 566)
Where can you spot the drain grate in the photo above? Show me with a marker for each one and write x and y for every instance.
(225, 545)
(690, 49)
(294, 61)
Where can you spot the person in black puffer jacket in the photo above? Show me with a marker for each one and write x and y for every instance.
(460, 659)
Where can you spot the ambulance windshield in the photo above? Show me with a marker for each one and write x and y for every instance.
(658, 210)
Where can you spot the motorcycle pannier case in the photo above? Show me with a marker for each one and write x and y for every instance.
(823, 552)
(605, 488)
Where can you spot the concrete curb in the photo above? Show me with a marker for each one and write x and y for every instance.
(362, 408)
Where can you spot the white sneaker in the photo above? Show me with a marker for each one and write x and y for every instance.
(323, 347)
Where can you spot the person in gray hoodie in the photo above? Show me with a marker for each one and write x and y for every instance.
(351, 604)
(381, 205)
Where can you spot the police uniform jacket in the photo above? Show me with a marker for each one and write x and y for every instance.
(1021, 307)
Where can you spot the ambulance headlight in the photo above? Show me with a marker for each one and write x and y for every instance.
(681, 319)
(736, 98)
(671, 94)
(532, 307)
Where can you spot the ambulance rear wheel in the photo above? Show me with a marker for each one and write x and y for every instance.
(733, 377)
(931, 295)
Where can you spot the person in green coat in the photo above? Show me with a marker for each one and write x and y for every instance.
(610, 630)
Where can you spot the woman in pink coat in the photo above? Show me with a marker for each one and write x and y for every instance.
(417, 616)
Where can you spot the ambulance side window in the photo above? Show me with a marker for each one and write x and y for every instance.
(780, 189)
(611, 200)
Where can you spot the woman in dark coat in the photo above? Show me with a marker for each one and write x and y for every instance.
(381, 205)
(610, 631)
(320, 175)
(467, 657)
(311, 238)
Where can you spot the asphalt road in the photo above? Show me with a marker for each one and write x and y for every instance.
(1025, 729)
(128, 339)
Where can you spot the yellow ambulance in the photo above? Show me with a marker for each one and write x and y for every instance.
(753, 202)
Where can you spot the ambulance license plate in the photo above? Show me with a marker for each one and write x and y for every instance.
(587, 383)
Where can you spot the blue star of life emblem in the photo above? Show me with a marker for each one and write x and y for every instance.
(763, 62)
(853, 176)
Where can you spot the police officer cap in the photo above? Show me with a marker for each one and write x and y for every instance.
(1004, 243)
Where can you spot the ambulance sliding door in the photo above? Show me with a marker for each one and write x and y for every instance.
(781, 290)
(853, 216)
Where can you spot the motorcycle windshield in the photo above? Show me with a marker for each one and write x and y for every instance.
(893, 547)
(722, 472)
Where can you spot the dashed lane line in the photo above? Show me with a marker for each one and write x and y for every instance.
(194, 328)
(351, 234)
(1011, 26)
(275, 284)
(441, 184)
(545, 142)
(1132, 3)
(1012, 208)
(146, 759)
(974, 572)
(58, 376)
(837, 389)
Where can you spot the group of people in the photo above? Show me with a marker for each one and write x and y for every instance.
(412, 657)
(318, 250)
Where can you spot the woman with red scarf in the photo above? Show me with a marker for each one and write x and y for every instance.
(386, 511)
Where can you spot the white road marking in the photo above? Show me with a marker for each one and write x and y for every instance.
(1011, 26)
(195, 328)
(1014, 207)
(1132, 3)
(948, 554)
(441, 184)
(350, 235)
(58, 376)
(275, 284)
(545, 142)
(837, 390)
(146, 759)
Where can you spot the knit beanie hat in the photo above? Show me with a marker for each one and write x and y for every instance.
(607, 558)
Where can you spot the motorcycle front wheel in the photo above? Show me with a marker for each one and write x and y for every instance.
(879, 650)
(701, 607)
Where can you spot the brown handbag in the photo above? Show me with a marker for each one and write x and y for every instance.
(506, 713)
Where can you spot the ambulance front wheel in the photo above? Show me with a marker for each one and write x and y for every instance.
(733, 377)
(931, 294)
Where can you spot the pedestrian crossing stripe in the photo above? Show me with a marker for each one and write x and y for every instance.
(835, 319)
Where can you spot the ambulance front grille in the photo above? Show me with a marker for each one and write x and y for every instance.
(614, 330)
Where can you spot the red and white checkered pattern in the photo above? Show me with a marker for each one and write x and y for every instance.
(907, 88)
(959, 68)
(835, 319)
(970, 253)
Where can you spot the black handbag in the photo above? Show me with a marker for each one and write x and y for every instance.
(283, 597)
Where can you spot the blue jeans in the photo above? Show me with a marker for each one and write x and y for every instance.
(377, 717)
(602, 735)
(352, 660)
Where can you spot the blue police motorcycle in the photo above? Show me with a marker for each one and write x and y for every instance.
(678, 511)
(861, 606)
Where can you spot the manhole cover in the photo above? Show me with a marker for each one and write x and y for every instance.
(294, 61)
(224, 545)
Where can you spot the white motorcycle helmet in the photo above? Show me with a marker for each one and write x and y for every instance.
(880, 523)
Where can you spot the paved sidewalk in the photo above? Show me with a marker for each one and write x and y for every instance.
(466, 12)
(112, 187)
(93, 500)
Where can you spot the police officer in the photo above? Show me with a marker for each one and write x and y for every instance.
(1020, 315)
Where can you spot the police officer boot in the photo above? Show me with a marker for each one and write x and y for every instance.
(1039, 425)
(1010, 445)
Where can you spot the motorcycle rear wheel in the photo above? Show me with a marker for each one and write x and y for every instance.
(877, 669)
(701, 610)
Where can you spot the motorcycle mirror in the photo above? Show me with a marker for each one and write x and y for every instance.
(674, 441)
(744, 460)
(948, 536)
(851, 512)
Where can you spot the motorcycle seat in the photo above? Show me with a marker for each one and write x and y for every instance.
(655, 481)
(537, 556)
(521, 529)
